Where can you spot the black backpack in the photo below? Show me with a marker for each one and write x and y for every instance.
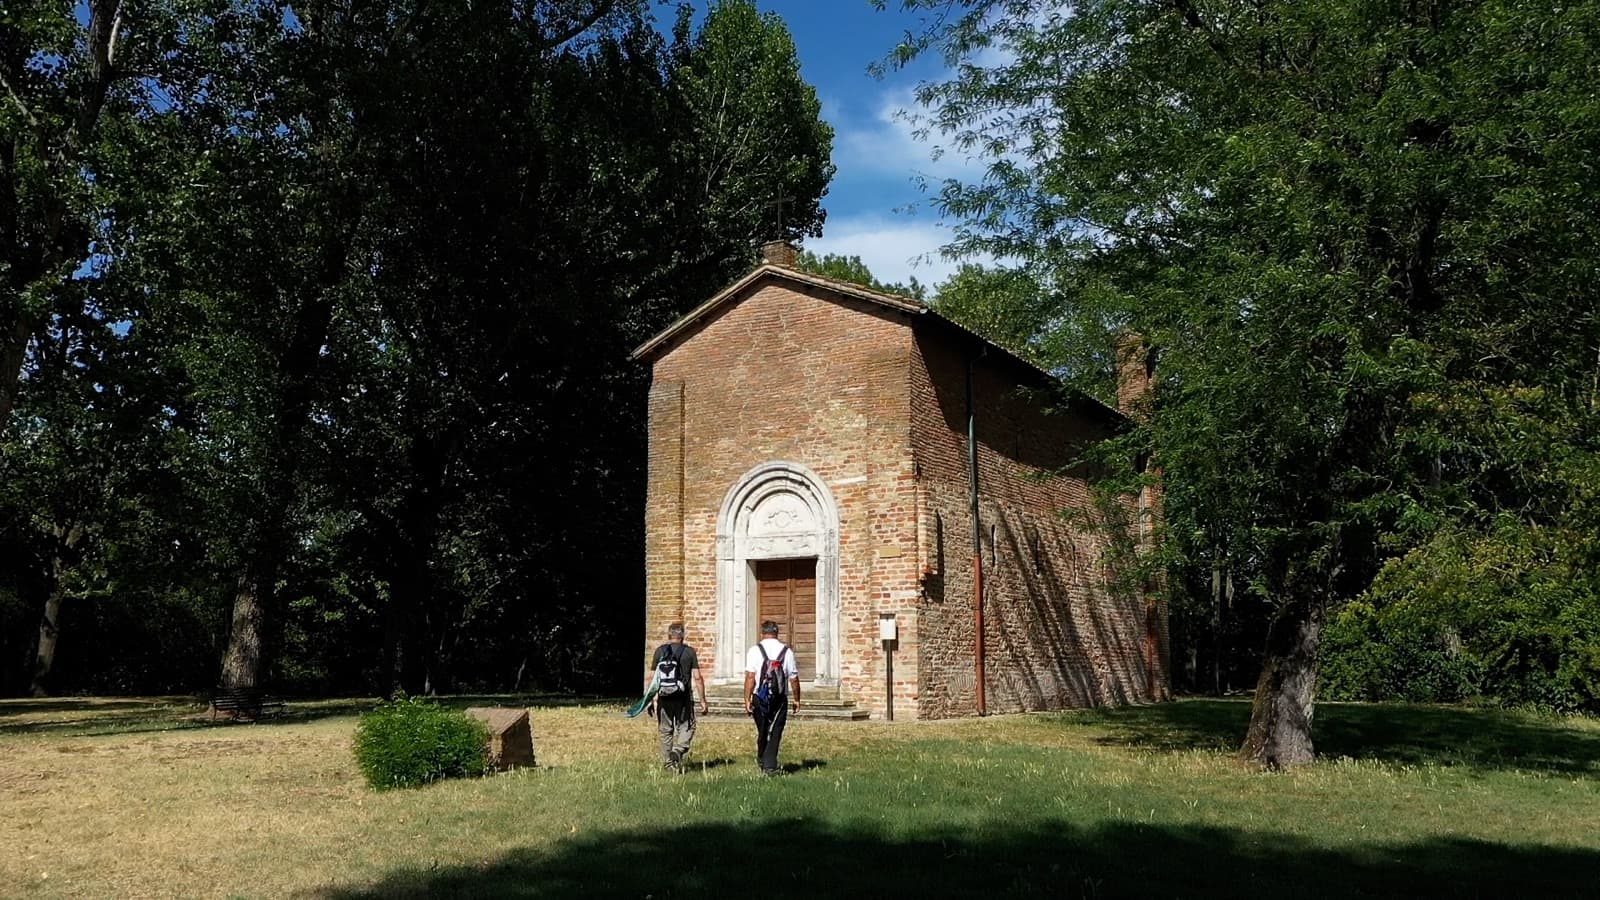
(669, 672)
(770, 684)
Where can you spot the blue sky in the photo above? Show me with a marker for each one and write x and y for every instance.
(875, 209)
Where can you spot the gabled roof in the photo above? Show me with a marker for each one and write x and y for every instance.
(909, 305)
(848, 289)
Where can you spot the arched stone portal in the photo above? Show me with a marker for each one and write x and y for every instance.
(777, 511)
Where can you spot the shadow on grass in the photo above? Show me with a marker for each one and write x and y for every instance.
(94, 716)
(97, 719)
(804, 859)
(29, 706)
(804, 765)
(1407, 734)
(89, 716)
(538, 701)
(702, 765)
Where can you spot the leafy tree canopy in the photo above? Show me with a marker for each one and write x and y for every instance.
(353, 342)
(853, 270)
(1333, 224)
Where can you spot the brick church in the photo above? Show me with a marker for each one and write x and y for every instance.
(809, 462)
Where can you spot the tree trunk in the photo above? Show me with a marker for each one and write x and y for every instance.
(405, 640)
(1216, 629)
(410, 591)
(298, 361)
(45, 657)
(65, 557)
(1280, 716)
(410, 656)
(241, 665)
(255, 597)
(13, 352)
(394, 645)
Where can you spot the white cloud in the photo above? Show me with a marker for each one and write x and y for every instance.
(994, 56)
(888, 145)
(895, 249)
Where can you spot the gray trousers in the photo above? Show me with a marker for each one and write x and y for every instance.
(675, 722)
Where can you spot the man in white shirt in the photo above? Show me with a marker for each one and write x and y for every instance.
(769, 726)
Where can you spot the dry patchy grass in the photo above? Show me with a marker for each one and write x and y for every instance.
(141, 798)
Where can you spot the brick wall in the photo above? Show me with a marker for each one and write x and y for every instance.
(795, 374)
(1136, 390)
(847, 388)
(1057, 633)
(663, 513)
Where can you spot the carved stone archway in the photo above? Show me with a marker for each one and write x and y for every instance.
(778, 510)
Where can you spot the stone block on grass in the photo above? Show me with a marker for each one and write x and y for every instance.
(510, 736)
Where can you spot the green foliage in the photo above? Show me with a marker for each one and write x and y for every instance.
(757, 136)
(1337, 225)
(1512, 616)
(66, 76)
(1506, 562)
(409, 741)
(1375, 656)
(1524, 600)
(1005, 305)
(355, 335)
(852, 269)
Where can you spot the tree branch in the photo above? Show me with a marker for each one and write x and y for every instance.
(601, 8)
(105, 22)
(1191, 18)
(17, 99)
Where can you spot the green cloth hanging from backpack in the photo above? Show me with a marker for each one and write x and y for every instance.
(650, 694)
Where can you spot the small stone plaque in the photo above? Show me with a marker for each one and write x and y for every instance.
(510, 736)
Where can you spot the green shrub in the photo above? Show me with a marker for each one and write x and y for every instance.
(1373, 655)
(408, 741)
(1510, 613)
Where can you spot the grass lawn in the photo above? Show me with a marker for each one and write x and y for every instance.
(141, 798)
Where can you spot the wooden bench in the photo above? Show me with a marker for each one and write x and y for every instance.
(244, 703)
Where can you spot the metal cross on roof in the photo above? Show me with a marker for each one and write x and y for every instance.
(779, 203)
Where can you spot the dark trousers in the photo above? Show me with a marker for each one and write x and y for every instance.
(769, 734)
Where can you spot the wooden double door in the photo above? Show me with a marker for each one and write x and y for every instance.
(786, 591)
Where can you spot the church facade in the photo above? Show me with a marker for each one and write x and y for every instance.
(809, 462)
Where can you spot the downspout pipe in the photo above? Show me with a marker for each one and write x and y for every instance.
(977, 528)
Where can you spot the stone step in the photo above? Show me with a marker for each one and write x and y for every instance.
(725, 704)
(807, 714)
(808, 692)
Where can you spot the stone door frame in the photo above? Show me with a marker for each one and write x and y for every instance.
(809, 527)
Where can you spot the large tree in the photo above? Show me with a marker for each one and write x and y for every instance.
(539, 234)
(473, 211)
(64, 69)
(78, 83)
(349, 346)
(1325, 219)
(750, 158)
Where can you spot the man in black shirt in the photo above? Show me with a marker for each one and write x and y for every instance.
(673, 706)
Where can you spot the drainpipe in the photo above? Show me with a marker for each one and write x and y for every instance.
(977, 528)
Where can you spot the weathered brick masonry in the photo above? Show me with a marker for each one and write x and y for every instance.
(827, 383)
(1056, 632)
